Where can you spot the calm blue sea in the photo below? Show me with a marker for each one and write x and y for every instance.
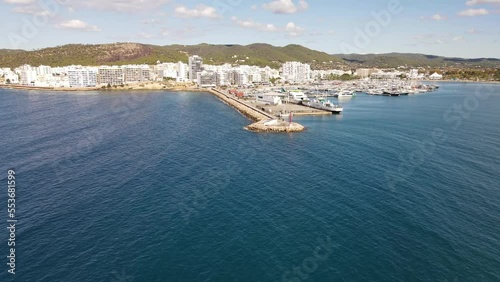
(159, 186)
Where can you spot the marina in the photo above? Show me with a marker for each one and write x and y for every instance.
(319, 99)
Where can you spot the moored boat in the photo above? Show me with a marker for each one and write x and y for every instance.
(323, 104)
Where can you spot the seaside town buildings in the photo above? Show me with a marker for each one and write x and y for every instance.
(364, 73)
(136, 73)
(194, 71)
(195, 66)
(110, 75)
(82, 77)
(435, 76)
(9, 76)
(296, 72)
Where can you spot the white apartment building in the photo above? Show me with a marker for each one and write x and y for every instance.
(296, 72)
(222, 78)
(363, 73)
(166, 70)
(136, 73)
(207, 79)
(11, 77)
(82, 77)
(385, 75)
(182, 72)
(323, 74)
(43, 70)
(110, 75)
(413, 74)
(195, 66)
(27, 75)
(271, 73)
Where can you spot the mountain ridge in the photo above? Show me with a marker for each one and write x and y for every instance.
(260, 54)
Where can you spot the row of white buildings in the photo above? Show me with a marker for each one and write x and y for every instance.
(76, 76)
(195, 71)
(380, 74)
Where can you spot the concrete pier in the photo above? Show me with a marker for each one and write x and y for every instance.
(264, 122)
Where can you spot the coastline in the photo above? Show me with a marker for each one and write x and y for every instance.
(135, 87)
(460, 81)
(155, 86)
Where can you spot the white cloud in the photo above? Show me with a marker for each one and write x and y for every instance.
(200, 11)
(29, 9)
(293, 29)
(286, 6)
(254, 25)
(439, 17)
(77, 24)
(473, 12)
(76, 5)
(432, 39)
(20, 2)
(290, 29)
(479, 2)
(118, 5)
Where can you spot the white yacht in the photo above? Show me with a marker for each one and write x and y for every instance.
(297, 96)
(323, 104)
(345, 93)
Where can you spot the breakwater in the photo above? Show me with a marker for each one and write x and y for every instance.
(264, 122)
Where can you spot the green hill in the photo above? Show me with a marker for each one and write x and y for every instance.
(255, 54)
(394, 60)
(134, 53)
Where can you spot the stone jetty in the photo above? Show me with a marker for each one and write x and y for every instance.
(264, 122)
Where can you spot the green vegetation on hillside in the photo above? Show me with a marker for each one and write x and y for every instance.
(254, 54)
(394, 60)
(344, 77)
(132, 53)
(473, 74)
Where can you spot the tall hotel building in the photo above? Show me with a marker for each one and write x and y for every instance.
(296, 72)
(82, 77)
(195, 66)
(137, 73)
(110, 75)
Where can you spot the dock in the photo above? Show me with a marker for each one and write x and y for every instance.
(296, 109)
(264, 122)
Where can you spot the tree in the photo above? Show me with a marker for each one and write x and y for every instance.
(345, 77)
(273, 80)
(8, 81)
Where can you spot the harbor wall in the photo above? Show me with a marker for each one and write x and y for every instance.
(247, 110)
(264, 122)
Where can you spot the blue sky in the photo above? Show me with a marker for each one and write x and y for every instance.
(461, 28)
